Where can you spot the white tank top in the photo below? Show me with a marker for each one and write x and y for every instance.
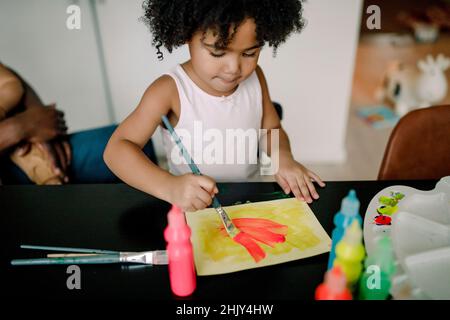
(220, 133)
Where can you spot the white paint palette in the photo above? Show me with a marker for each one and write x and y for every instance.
(418, 223)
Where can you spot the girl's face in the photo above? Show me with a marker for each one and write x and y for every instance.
(220, 70)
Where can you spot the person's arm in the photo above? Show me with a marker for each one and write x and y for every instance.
(124, 155)
(11, 133)
(39, 126)
(30, 97)
(11, 91)
(291, 175)
(36, 125)
(59, 149)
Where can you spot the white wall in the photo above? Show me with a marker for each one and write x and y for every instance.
(62, 65)
(311, 75)
(131, 60)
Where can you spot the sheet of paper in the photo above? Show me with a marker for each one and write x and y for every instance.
(216, 253)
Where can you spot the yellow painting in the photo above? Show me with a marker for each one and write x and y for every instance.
(282, 230)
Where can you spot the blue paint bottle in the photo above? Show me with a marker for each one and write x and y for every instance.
(349, 211)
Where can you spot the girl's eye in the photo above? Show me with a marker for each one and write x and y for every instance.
(217, 55)
(249, 54)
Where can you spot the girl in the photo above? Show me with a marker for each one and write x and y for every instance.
(221, 88)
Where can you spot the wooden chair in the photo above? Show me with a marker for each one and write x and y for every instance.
(419, 146)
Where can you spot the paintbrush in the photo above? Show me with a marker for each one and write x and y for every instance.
(93, 256)
(237, 235)
(228, 224)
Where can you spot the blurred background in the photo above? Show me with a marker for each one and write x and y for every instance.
(333, 80)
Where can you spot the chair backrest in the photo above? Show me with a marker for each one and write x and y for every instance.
(419, 146)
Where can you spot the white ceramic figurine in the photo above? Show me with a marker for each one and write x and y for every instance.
(408, 87)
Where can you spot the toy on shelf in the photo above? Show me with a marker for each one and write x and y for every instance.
(408, 87)
(378, 116)
(427, 22)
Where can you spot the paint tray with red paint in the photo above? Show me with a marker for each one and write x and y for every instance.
(419, 230)
(388, 202)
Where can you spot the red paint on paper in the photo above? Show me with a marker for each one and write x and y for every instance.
(253, 230)
(252, 247)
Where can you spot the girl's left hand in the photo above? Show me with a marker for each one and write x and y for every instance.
(293, 176)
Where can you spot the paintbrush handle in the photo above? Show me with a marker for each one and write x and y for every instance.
(195, 170)
(184, 152)
(25, 246)
(98, 259)
(229, 226)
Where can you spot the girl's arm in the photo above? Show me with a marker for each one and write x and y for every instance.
(291, 175)
(124, 155)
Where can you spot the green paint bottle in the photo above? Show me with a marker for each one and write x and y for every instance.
(375, 283)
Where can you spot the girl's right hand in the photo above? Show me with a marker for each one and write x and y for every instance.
(191, 192)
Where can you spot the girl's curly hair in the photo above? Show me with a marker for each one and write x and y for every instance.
(173, 22)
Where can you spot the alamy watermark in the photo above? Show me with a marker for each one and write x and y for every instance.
(373, 282)
(74, 280)
(231, 147)
(374, 20)
(73, 21)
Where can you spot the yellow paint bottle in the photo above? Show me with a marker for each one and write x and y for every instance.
(350, 253)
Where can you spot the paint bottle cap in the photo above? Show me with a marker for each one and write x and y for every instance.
(350, 204)
(175, 217)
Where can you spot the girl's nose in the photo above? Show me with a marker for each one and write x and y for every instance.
(232, 66)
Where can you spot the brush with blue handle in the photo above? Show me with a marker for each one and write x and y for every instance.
(228, 224)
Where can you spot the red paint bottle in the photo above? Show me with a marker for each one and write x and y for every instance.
(334, 286)
(180, 253)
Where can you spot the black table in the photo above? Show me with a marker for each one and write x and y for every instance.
(117, 217)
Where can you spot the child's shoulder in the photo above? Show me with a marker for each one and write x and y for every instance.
(161, 95)
(163, 88)
(163, 85)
